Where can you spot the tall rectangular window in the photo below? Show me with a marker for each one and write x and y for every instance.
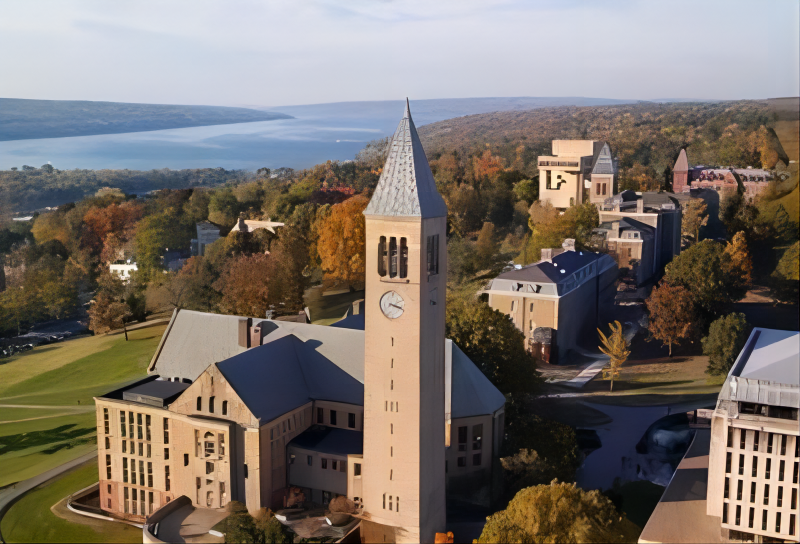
(462, 439)
(766, 494)
(726, 492)
(147, 427)
(166, 431)
(767, 469)
(166, 454)
(777, 522)
(149, 474)
(224, 407)
(108, 467)
(730, 437)
(403, 258)
(351, 420)
(477, 436)
(794, 498)
(769, 442)
(763, 520)
(738, 515)
(755, 440)
(105, 420)
(755, 466)
(139, 432)
(752, 492)
(792, 523)
(320, 416)
(127, 499)
(393, 265)
(122, 423)
(725, 512)
(780, 496)
(783, 444)
(728, 463)
(199, 404)
(741, 464)
(739, 490)
(125, 470)
(742, 438)
(794, 474)
(751, 517)
(780, 470)
(130, 425)
(166, 478)
(211, 405)
(382, 256)
(333, 417)
(432, 254)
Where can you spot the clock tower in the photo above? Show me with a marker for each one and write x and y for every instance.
(404, 428)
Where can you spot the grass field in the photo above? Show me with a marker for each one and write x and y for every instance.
(55, 384)
(31, 520)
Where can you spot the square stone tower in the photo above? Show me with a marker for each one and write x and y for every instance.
(406, 270)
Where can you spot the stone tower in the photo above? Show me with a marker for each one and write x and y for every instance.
(680, 173)
(406, 270)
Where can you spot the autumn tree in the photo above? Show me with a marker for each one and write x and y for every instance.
(671, 314)
(695, 216)
(486, 166)
(549, 228)
(465, 209)
(726, 338)
(738, 266)
(341, 243)
(486, 247)
(616, 348)
(244, 285)
(154, 234)
(492, 342)
(108, 310)
(118, 219)
(702, 270)
(558, 512)
(784, 279)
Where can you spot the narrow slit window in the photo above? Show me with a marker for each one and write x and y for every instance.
(382, 256)
(211, 404)
(199, 404)
(403, 258)
(224, 407)
(393, 257)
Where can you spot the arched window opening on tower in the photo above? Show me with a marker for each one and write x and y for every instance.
(393, 257)
(432, 252)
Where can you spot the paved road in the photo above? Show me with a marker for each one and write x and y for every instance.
(9, 495)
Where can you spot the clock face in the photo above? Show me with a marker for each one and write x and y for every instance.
(392, 305)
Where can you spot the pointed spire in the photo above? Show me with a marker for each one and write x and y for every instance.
(406, 187)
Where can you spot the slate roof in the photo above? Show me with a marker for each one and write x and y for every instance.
(472, 394)
(330, 440)
(286, 373)
(406, 187)
(550, 272)
(195, 340)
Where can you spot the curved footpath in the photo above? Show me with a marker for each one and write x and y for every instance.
(13, 493)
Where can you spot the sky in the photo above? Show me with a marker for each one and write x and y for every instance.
(273, 53)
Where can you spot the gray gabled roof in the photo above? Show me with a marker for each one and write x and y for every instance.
(471, 392)
(603, 162)
(406, 187)
(285, 374)
(195, 340)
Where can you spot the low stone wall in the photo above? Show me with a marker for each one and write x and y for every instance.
(150, 529)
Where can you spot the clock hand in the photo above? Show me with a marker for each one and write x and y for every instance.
(395, 305)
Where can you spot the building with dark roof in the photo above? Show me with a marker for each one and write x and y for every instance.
(559, 301)
(641, 231)
(750, 181)
(385, 410)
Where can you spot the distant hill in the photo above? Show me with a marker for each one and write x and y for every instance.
(26, 119)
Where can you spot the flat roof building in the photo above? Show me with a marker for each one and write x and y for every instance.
(748, 483)
(574, 167)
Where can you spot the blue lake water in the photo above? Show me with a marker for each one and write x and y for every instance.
(318, 133)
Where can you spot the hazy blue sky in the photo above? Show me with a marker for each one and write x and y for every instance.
(242, 52)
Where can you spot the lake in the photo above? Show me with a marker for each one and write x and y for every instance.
(317, 133)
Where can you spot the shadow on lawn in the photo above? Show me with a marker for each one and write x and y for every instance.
(63, 437)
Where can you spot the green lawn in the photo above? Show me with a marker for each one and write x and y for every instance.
(31, 520)
(65, 377)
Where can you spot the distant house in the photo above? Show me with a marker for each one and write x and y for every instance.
(207, 233)
(574, 166)
(123, 269)
(558, 302)
(641, 231)
(250, 225)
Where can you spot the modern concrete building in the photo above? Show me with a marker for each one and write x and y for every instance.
(559, 301)
(123, 269)
(745, 488)
(251, 225)
(263, 412)
(207, 234)
(641, 231)
(577, 166)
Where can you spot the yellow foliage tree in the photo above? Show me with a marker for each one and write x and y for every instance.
(694, 216)
(341, 244)
(616, 347)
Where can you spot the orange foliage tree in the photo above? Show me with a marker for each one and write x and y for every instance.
(486, 166)
(118, 219)
(244, 285)
(671, 314)
(341, 244)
